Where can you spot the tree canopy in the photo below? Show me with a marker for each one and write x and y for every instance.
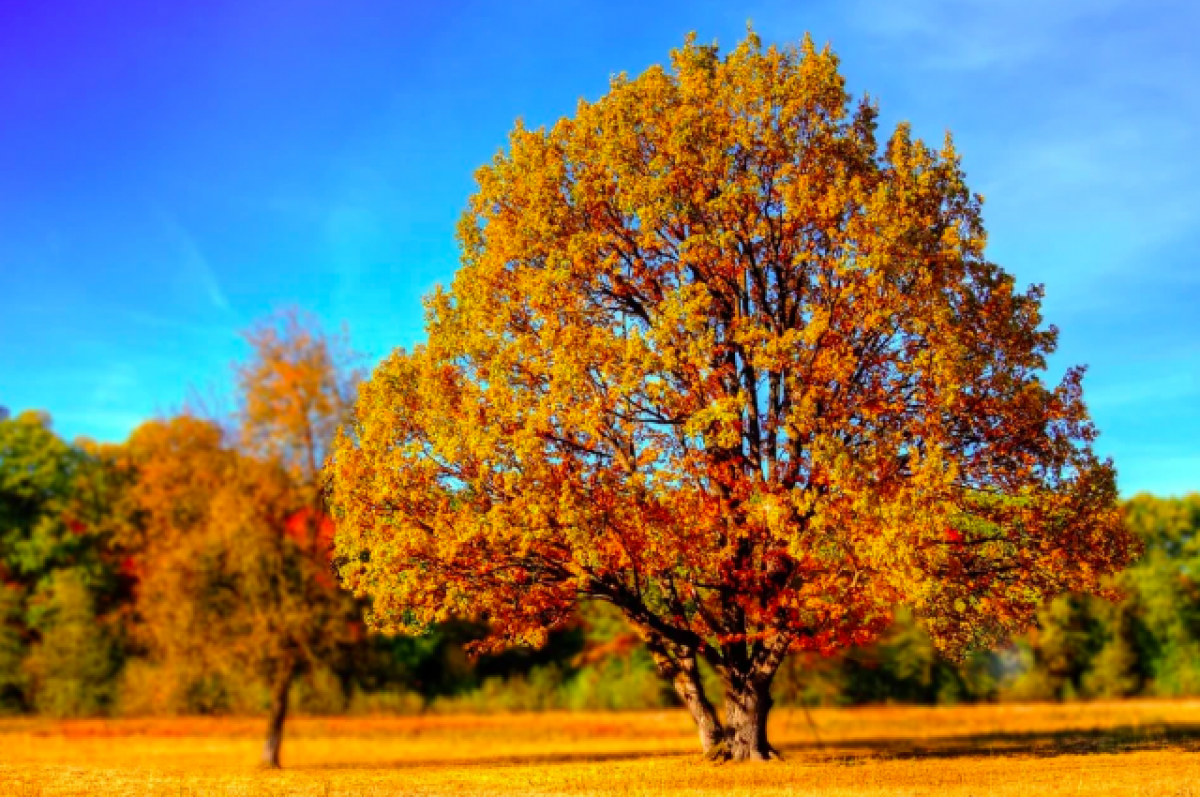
(719, 356)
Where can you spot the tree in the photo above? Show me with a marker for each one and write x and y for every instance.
(35, 475)
(718, 358)
(37, 470)
(297, 389)
(1059, 652)
(236, 568)
(1163, 594)
(59, 583)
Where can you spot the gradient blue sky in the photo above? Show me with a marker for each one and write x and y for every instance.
(171, 171)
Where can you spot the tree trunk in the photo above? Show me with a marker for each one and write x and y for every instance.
(682, 671)
(279, 707)
(747, 704)
(691, 691)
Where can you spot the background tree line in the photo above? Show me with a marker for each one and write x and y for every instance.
(186, 570)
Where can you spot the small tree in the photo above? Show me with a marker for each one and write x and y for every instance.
(296, 389)
(716, 357)
(236, 555)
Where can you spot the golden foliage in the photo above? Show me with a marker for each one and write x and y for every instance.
(295, 390)
(718, 356)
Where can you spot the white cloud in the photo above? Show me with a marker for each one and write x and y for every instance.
(193, 265)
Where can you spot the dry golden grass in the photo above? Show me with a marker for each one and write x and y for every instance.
(1132, 748)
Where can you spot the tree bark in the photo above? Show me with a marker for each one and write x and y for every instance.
(747, 704)
(748, 701)
(691, 691)
(683, 672)
(279, 707)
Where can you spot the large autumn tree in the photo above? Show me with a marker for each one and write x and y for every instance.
(718, 356)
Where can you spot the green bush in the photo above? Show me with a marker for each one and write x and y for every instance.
(72, 667)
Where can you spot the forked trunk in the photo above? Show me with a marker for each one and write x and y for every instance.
(747, 704)
(279, 707)
(747, 696)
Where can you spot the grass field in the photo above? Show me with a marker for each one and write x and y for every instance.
(1131, 748)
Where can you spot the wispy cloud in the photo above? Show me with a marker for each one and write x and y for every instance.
(194, 265)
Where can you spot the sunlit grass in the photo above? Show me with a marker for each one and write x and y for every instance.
(1135, 748)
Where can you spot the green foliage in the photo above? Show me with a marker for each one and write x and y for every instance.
(1059, 650)
(618, 683)
(73, 665)
(1114, 672)
(904, 666)
(58, 580)
(612, 670)
(1163, 593)
(12, 651)
(36, 472)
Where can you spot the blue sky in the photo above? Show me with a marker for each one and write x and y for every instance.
(170, 172)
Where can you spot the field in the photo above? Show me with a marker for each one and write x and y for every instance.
(1131, 748)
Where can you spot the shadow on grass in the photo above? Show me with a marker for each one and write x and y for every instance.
(514, 760)
(1119, 739)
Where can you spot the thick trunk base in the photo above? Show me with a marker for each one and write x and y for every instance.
(743, 737)
(746, 711)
